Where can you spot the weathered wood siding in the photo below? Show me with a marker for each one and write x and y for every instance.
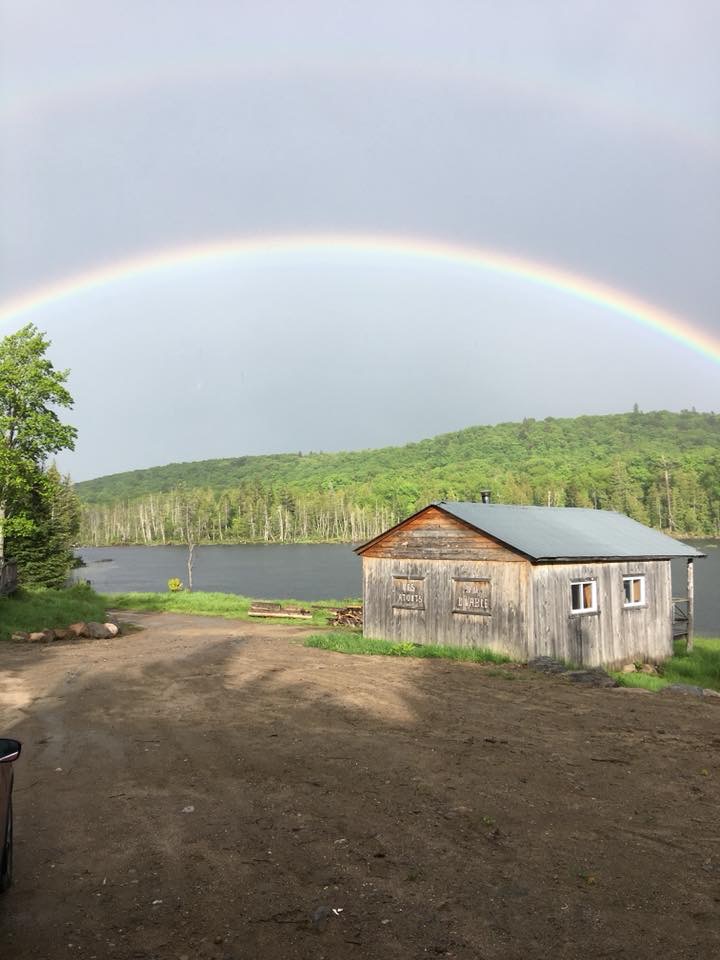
(615, 634)
(504, 628)
(433, 535)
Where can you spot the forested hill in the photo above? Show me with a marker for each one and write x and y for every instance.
(660, 468)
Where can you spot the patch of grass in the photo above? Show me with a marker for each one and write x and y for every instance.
(37, 608)
(644, 680)
(356, 643)
(228, 605)
(701, 668)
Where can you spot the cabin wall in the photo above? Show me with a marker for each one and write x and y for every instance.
(615, 634)
(502, 619)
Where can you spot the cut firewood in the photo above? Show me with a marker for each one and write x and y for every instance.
(348, 617)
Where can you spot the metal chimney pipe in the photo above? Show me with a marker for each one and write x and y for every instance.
(485, 496)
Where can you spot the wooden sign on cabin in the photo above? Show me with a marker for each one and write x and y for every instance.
(409, 593)
(471, 596)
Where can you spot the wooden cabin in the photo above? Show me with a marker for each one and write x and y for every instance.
(590, 587)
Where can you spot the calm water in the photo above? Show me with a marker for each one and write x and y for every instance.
(312, 572)
(707, 586)
(301, 571)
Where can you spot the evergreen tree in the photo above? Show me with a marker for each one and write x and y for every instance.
(44, 552)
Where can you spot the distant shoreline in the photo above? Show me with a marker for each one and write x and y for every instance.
(238, 543)
(713, 542)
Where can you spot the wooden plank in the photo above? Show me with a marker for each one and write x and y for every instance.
(282, 614)
(265, 608)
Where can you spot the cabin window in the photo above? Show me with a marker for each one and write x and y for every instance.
(583, 596)
(634, 591)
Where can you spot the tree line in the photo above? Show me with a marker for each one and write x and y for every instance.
(233, 516)
(680, 495)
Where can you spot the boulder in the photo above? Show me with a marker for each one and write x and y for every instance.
(546, 665)
(97, 631)
(20, 637)
(112, 628)
(593, 677)
(78, 629)
(686, 689)
(628, 668)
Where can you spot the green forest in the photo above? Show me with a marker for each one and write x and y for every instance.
(660, 468)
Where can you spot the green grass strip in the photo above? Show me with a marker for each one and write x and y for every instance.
(700, 668)
(228, 605)
(644, 680)
(356, 643)
(37, 608)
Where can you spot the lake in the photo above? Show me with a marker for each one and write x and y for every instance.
(317, 571)
(311, 572)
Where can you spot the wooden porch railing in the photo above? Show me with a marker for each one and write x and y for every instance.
(680, 616)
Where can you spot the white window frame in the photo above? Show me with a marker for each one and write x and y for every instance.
(577, 611)
(629, 579)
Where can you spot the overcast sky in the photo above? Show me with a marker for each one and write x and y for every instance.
(583, 135)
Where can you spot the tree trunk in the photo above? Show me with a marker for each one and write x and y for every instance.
(190, 561)
(671, 523)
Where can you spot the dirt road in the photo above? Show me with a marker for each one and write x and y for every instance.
(206, 788)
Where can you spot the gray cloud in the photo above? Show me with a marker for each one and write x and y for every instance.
(587, 136)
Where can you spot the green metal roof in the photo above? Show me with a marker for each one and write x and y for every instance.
(568, 533)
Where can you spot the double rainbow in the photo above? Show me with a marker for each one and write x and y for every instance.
(323, 244)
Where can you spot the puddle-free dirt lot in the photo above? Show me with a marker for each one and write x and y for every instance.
(207, 788)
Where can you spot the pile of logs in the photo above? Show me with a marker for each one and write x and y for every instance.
(347, 617)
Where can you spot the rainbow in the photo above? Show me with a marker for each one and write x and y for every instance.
(55, 95)
(325, 244)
